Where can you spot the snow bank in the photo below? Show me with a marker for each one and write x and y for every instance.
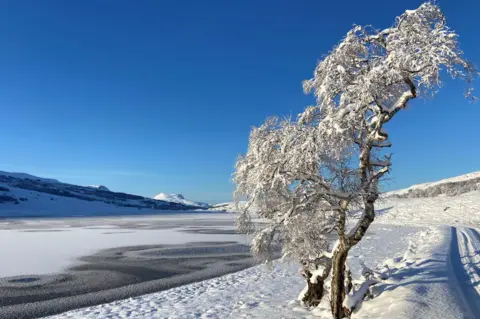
(419, 285)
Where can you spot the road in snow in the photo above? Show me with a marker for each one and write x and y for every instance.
(465, 263)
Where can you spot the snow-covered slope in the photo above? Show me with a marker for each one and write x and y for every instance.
(449, 186)
(178, 198)
(24, 195)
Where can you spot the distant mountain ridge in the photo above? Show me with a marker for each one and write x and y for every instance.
(100, 187)
(25, 195)
(449, 187)
(28, 176)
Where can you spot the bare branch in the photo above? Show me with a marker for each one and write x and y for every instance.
(380, 145)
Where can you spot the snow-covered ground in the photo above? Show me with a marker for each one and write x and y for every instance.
(435, 273)
(461, 210)
(423, 284)
(257, 292)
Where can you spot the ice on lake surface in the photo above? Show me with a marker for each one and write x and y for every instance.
(65, 240)
(79, 261)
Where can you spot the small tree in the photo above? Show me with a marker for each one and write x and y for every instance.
(306, 176)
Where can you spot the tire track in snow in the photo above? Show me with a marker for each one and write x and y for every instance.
(465, 266)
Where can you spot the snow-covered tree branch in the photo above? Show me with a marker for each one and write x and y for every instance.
(305, 176)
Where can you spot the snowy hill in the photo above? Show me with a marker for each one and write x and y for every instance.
(24, 195)
(449, 186)
(179, 199)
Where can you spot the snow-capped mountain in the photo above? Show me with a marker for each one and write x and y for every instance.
(178, 198)
(23, 195)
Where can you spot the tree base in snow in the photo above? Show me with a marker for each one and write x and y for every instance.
(314, 294)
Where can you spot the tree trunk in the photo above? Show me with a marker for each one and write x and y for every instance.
(314, 293)
(339, 258)
(337, 289)
(315, 286)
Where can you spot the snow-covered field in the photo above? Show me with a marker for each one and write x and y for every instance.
(435, 273)
(461, 210)
(258, 292)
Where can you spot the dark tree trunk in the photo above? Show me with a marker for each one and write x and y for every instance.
(314, 294)
(349, 284)
(341, 280)
(338, 283)
(315, 289)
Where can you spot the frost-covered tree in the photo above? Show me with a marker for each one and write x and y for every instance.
(308, 175)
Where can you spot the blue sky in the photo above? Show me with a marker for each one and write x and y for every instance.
(159, 96)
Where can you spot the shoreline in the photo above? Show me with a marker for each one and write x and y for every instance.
(120, 273)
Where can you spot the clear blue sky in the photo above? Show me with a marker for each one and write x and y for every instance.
(159, 96)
